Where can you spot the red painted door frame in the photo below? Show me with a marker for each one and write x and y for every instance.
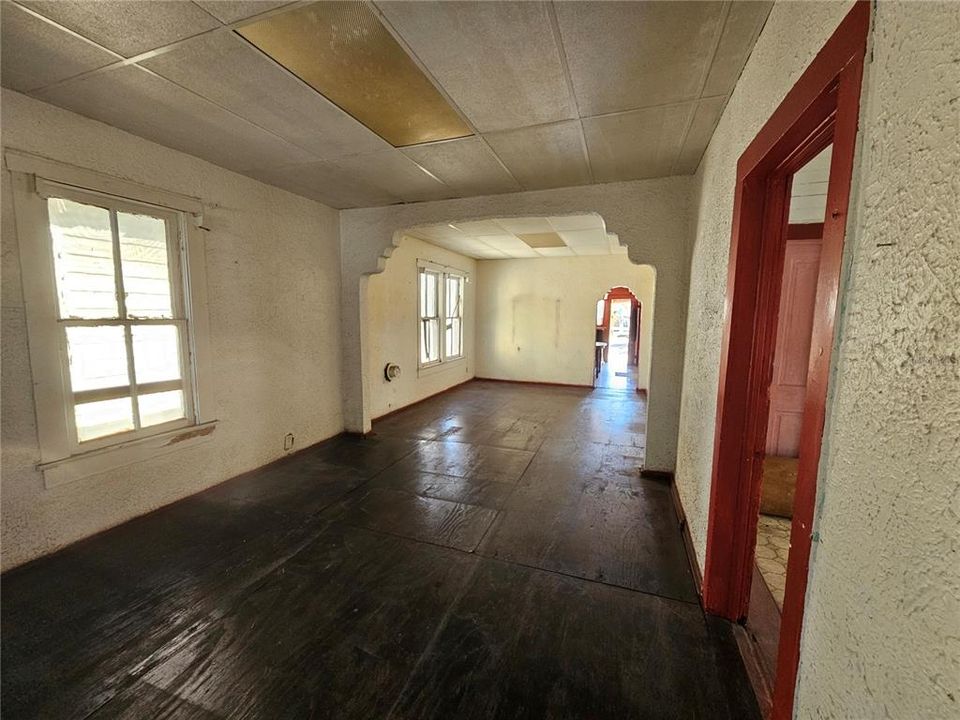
(822, 107)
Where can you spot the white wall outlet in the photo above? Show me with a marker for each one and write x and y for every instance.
(288, 442)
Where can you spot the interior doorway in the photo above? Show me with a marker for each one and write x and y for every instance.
(820, 110)
(617, 340)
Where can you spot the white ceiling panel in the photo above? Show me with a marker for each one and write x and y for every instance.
(741, 28)
(480, 228)
(128, 28)
(325, 183)
(468, 166)
(555, 252)
(463, 237)
(628, 55)
(36, 53)
(394, 173)
(638, 144)
(498, 61)
(704, 122)
(546, 156)
(525, 225)
(569, 223)
(509, 245)
(142, 103)
(591, 250)
(229, 11)
(226, 69)
(597, 237)
(440, 232)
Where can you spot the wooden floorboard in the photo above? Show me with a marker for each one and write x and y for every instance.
(489, 553)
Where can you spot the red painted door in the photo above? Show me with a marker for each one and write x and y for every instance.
(791, 358)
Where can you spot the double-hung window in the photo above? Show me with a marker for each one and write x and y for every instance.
(122, 324)
(440, 328)
(117, 329)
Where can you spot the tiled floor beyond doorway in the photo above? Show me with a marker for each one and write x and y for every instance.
(773, 549)
(489, 553)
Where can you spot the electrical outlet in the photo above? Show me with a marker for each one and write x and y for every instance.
(288, 442)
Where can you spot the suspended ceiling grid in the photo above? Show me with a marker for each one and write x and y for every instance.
(555, 94)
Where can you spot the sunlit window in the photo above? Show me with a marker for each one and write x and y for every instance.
(441, 316)
(121, 314)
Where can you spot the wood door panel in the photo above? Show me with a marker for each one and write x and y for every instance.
(801, 263)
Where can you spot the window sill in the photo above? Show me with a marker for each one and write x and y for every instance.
(427, 370)
(76, 467)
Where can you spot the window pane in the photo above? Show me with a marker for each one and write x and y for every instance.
(83, 259)
(430, 340)
(105, 417)
(146, 273)
(156, 353)
(98, 357)
(428, 294)
(454, 296)
(162, 407)
(454, 338)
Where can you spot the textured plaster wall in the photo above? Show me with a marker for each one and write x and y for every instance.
(882, 629)
(272, 267)
(537, 317)
(393, 322)
(881, 632)
(651, 217)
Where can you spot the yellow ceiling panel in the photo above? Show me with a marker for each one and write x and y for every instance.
(543, 240)
(343, 51)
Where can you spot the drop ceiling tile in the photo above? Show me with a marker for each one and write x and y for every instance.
(627, 55)
(436, 233)
(591, 250)
(394, 173)
(546, 156)
(565, 223)
(525, 225)
(227, 70)
(144, 104)
(705, 119)
(638, 144)
(468, 166)
(498, 61)
(585, 238)
(229, 11)
(740, 31)
(475, 247)
(555, 252)
(480, 228)
(128, 28)
(509, 245)
(319, 181)
(36, 53)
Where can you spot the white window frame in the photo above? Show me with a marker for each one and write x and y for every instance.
(63, 458)
(442, 272)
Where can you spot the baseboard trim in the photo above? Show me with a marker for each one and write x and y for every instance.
(684, 531)
(535, 382)
(417, 402)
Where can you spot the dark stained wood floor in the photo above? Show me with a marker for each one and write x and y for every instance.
(490, 553)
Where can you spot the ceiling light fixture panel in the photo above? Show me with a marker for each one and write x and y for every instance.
(343, 51)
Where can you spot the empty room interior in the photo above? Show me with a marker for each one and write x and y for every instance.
(508, 359)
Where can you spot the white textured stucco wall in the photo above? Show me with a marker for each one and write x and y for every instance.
(273, 279)
(651, 217)
(882, 627)
(537, 317)
(392, 321)
(881, 633)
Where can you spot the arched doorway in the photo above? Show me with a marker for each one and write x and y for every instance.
(619, 314)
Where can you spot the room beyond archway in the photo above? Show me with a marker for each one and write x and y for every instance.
(617, 344)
